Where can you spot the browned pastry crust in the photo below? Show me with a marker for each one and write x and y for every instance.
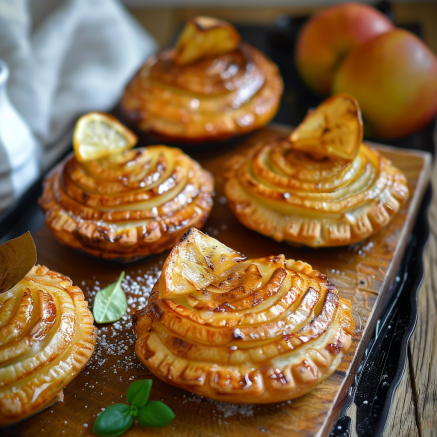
(267, 330)
(212, 99)
(46, 338)
(290, 196)
(128, 205)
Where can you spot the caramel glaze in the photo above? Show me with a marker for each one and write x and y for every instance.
(275, 331)
(289, 195)
(127, 205)
(46, 338)
(209, 100)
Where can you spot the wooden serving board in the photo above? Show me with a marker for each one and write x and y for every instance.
(362, 272)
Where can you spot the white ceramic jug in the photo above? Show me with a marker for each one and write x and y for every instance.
(18, 148)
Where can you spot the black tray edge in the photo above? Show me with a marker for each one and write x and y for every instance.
(357, 361)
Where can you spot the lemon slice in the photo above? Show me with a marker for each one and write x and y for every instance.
(98, 135)
(334, 129)
(195, 262)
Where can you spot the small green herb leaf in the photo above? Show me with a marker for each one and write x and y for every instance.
(110, 303)
(138, 392)
(155, 414)
(17, 257)
(118, 418)
(114, 421)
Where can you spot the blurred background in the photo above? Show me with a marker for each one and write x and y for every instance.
(163, 17)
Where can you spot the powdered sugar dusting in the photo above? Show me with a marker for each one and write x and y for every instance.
(117, 339)
(226, 410)
(229, 410)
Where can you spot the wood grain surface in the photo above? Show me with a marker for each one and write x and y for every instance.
(362, 273)
(403, 402)
(423, 345)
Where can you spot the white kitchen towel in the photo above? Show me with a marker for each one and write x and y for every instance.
(66, 57)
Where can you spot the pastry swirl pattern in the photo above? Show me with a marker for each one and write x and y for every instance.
(263, 330)
(46, 338)
(212, 99)
(289, 195)
(127, 205)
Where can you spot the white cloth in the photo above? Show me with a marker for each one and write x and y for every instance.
(66, 58)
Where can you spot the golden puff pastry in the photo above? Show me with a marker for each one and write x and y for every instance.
(209, 87)
(46, 338)
(319, 187)
(236, 330)
(127, 205)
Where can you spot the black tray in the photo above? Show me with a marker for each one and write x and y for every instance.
(385, 358)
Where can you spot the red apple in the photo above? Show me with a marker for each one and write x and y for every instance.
(330, 35)
(394, 79)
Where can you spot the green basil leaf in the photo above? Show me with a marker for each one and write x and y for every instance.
(138, 392)
(17, 257)
(155, 414)
(114, 421)
(110, 303)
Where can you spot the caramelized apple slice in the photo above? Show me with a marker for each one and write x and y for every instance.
(205, 36)
(334, 129)
(194, 263)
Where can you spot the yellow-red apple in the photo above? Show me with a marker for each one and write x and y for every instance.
(394, 79)
(330, 35)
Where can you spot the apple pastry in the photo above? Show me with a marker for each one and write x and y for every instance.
(238, 330)
(126, 204)
(320, 186)
(46, 338)
(209, 87)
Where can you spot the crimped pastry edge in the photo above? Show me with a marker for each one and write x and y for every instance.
(302, 228)
(126, 245)
(80, 355)
(205, 385)
(58, 398)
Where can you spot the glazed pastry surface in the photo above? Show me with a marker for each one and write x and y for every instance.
(211, 98)
(46, 338)
(237, 330)
(310, 191)
(127, 205)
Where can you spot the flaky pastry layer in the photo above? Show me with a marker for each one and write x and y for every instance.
(270, 330)
(46, 338)
(128, 205)
(212, 99)
(290, 196)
